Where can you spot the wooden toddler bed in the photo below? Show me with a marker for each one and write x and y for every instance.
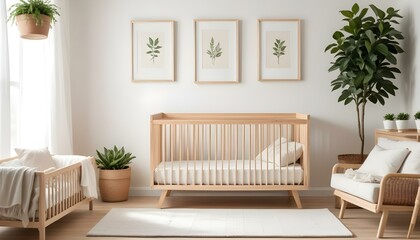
(60, 192)
(230, 152)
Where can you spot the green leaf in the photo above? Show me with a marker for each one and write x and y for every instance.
(330, 46)
(156, 41)
(391, 59)
(338, 35)
(382, 48)
(347, 13)
(381, 27)
(378, 12)
(368, 46)
(371, 36)
(355, 9)
(348, 100)
(150, 41)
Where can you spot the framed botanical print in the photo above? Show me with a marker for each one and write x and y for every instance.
(216, 51)
(279, 49)
(153, 53)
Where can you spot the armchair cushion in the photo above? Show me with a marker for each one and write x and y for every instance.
(367, 191)
(383, 161)
(412, 163)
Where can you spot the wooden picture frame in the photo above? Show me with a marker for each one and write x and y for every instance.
(152, 50)
(216, 50)
(279, 49)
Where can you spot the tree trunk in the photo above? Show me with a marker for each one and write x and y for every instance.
(361, 125)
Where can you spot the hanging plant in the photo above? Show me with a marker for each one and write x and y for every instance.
(33, 17)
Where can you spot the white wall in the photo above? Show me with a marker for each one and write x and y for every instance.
(109, 109)
(411, 83)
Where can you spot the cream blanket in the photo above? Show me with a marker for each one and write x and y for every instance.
(88, 178)
(21, 200)
(362, 177)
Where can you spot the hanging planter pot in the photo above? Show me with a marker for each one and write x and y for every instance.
(29, 29)
(33, 18)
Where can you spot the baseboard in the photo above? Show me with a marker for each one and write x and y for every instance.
(312, 192)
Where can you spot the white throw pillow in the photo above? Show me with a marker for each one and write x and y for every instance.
(289, 152)
(392, 144)
(277, 143)
(412, 163)
(383, 161)
(37, 158)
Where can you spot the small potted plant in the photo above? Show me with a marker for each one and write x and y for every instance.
(114, 174)
(417, 118)
(389, 121)
(33, 17)
(402, 121)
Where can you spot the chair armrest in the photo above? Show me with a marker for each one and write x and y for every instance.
(399, 189)
(338, 166)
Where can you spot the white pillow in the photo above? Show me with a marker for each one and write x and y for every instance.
(383, 161)
(289, 152)
(412, 163)
(277, 143)
(37, 158)
(392, 144)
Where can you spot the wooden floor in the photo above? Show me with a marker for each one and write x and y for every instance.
(75, 225)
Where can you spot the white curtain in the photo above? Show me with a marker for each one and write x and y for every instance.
(40, 88)
(61, 135)
(4, 85)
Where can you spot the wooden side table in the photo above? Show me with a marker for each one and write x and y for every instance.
(407, 135)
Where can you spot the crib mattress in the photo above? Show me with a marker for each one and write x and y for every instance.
(226, 172)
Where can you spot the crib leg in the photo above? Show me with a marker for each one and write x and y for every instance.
(91, 205)
(296, 197)
(163, 195)
(41, 231)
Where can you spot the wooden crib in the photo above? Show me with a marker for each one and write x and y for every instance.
(60, 193)
(230, 152)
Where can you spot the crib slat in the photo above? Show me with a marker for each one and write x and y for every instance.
(274, 153)
(194, 153)
(280, 136)
(243, 154)
(180, 153)
(164, 153)
(215, 155)
(287, 152)
(172, 136)
(266, 144)
(188, 151)
(250, 153)
(236, 155)
(209, 145)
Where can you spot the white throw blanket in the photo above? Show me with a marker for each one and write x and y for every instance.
(88, 180)
(20, 201)
(362, 177)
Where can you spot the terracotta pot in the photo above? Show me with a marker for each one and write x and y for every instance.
(402, 125)
(114, 184)
(28, 28)
(389, 125)
(352, 158)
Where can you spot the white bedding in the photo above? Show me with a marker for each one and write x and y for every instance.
(88, 180)
(254, 172)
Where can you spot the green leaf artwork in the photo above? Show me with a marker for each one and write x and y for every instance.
(154, 49)
(214, 52)
(279, 49)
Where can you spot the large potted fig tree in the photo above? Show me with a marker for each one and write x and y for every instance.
(114, 174)
(365, 52)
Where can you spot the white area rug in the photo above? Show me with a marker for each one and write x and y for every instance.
(149, 222)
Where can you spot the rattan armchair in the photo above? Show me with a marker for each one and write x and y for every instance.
(397, 192)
